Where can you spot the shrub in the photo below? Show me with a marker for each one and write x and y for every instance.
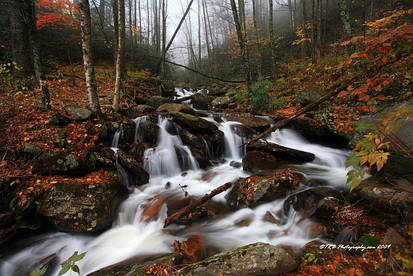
(258, 96)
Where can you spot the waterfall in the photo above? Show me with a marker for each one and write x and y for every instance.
(170, 156)
(233, 142)
(131, 236)
(138, 131)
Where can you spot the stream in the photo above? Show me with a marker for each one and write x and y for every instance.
(131, 235)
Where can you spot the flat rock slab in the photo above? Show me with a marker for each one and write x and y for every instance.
(248, 120)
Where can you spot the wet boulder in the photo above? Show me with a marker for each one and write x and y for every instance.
(148, 132)
(268, 156)
(175, 107)
(194, 124)
(253, 259)
(255, 161)
(254, 190)
(243, 131)
(200, 101)
(203, 146)
(77, 112)
(131, 165)
(157, 101)
(79, 207)
(248, 120)
(126, 133)
(221, 102)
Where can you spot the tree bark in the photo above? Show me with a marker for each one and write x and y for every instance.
(102, 9)
(115, 27)
(85, 28)
(242, 44)
(120, 54)
(19, 11)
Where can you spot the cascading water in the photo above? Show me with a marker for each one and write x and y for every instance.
(170, 156)
(132, 235)
(233, 142)
(329, 164)
(138, 131)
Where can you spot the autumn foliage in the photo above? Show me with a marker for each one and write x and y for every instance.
(56, 14)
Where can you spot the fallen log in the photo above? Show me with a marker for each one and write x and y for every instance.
(298, 113)
(187, 209)
(183, 99)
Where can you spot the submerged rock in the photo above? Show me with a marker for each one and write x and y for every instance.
(79, 207)
(254, 190)
(253, 259)
(248, 120)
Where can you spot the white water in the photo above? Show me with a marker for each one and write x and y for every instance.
(329, 164)
(138, 131)
(163, 159)
(130, 236)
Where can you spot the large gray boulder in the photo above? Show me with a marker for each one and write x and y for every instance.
(77, 112)
(253, 259)
(157, 101)
(79, 207)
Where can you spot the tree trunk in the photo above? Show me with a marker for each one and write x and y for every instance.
(199, 34)
(164, 14)
(319, 31)
(292, 21)
(206, 29)
(242, 44)
(18, 11)
(102, 10)
(85, 28)
(173, 36)
(209, 26)
(130, 31)
(271, 29)
(120, 55)
(345, 17)
(115, 26)
(313, 26)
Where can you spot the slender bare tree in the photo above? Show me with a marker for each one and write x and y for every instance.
(88, 63)
(120, 54)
